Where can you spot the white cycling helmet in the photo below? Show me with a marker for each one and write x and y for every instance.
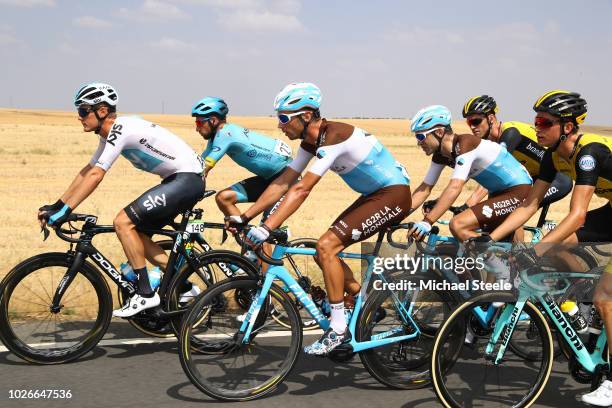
(94, 93)
(297, 96)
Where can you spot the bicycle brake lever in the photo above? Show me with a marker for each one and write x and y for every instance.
(224, 236)
(45, 232)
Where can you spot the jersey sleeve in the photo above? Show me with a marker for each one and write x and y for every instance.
(301, 160)
(547, 168)
(326, 156)
(113, 146)
(463, 164)
(589, 162)
(433, 174)
(216, 148)
(510, 138)
(98, 152)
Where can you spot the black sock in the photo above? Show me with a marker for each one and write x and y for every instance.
(144, 286)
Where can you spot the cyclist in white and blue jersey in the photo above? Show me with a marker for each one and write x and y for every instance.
(261, 155)
(150, 148)
(363, 163)
(487, 162)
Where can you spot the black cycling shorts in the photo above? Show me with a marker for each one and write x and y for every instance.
(597, 225)
(250, 189)
(159, 205)
(559, 188)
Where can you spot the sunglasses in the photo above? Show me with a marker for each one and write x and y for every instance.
(473, 122)
(422, 135)
(200, 121)
(284, 118)
(543, 123)
(84, 111)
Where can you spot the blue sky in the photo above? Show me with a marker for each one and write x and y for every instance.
(384, 58)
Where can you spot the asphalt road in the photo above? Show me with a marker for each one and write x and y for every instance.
(130, 373)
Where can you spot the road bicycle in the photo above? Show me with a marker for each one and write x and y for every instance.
(234, 359)
(487, 374)
(56, 306)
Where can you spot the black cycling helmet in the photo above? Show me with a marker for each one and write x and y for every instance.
(563, 104)
(482, 104)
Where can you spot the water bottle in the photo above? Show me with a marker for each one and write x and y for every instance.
(251, 256)
(128, 273)
(578, 322)
(154, 275)
(319, 297)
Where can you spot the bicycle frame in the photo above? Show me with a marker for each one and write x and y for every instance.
(183, 242)
(281, 273)
(540, 292)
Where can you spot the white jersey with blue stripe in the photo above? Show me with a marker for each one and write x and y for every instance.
(148, 147)
(488, 163)
(361, 160)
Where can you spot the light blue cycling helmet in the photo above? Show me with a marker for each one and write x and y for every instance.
(429, 117)
(297, 96)
(209, 106)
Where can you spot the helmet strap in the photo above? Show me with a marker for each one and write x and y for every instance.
(100, 120)
(439, 139)
(305, 124)
(562, 137)
(488, 133)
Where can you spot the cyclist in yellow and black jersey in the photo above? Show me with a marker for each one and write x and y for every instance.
(519, 139)
(586, 158)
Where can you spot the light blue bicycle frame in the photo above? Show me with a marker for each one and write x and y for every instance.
(533, 288)
(280, 273)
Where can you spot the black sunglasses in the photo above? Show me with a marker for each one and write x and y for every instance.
(474, 121)
(84, 111)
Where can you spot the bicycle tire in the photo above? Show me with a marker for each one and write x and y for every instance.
(203, 261)
(401, 365)
(55, 355)
(230, 345)
(440, 366)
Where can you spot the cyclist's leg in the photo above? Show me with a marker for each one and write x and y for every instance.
(463, 226)
(153, 252)
(153, 209)
(493, 211)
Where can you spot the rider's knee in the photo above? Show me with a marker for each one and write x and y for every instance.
(122, 222)
(326, 248)
(225, 197)
(457, 228)
(602, 298)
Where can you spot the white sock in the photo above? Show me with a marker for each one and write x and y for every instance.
(338, 322)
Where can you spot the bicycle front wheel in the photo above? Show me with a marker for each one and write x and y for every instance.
(472, 378)
(238, 370)
(35, 331)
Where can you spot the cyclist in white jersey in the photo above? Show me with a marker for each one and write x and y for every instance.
(150, 148)
(488, 163)
(363, 163)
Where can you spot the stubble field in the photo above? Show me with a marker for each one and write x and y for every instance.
(41, 151)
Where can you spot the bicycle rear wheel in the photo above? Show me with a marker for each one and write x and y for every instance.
(238, 371)
(404, 364)
(472, 378)
(31, 329)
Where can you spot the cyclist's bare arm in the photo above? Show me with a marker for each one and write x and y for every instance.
(521, 215)
(77, 180)
(420, 195)
(88, 182)
(296, 195)
(273, 193)
(477, 196)
(448, 197)
(207, 168)
(579, 205)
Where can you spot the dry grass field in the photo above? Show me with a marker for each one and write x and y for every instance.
(41, 151)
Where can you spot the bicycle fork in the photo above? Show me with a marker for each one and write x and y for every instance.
(69, 276)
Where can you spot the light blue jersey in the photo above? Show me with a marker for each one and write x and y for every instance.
(361, 160)
(259, 154)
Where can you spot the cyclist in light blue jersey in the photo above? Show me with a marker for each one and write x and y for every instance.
(261, 155)
(363, 163)
(488, 163)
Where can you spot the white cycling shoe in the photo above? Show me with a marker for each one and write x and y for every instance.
(602, 396)
(137, 304)
(188, 296)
